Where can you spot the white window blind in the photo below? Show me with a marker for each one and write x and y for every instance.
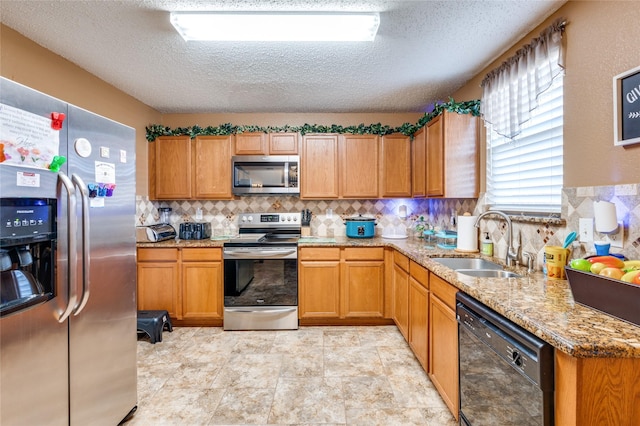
(524, 174)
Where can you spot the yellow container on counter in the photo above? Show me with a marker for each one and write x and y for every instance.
(556, 258)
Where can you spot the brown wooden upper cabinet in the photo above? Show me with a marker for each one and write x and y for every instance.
(170, 168)
(395, 166)
(212, 167)
(452, 156)
(319, 166)
(419, 163)
(260, 143)
(358, 166)
(181, 168)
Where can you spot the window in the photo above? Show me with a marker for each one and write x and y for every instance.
(524, 174)
(522, 105)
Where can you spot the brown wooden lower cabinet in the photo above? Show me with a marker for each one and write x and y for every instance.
(337, 283)
(187, 282)
(597, 391)
(400, 290)
(443, 341)
(419, 313)
(158, 280)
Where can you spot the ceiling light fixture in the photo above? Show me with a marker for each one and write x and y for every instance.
(274, 26)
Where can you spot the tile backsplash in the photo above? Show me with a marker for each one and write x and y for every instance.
(529, 235)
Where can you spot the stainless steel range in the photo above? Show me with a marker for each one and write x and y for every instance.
(261, 273)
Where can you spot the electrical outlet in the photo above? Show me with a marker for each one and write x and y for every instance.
(586, 229)
(617, 240)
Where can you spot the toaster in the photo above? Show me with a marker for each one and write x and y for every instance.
(160, 232)
(195, 230)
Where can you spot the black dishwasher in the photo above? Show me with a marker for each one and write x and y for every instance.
(506, 373)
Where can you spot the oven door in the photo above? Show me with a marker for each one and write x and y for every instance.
(260, 288)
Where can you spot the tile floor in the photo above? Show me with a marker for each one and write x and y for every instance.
(314, 375)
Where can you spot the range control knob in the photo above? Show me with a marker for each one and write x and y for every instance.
(295, 218)
(244, 218)
(250, 218)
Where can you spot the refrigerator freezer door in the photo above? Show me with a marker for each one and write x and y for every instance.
(102, 336)
(33, 344)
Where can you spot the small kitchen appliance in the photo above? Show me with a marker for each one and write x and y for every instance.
(195, 230)
(360, 226)
(160, 232)
(261, 273)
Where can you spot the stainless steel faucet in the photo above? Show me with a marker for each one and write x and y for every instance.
(512, 255)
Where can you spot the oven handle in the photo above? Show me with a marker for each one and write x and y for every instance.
(256, 254)
(261, 311)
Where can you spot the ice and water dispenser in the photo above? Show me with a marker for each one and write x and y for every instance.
(27, 252)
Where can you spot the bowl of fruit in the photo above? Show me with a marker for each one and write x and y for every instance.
(608, 284)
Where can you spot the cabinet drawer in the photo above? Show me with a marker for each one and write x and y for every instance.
(319, 253)
(201, 254)
(369, 253)
(401, 260)
(443, 290)
(157, 255)
(419, 273)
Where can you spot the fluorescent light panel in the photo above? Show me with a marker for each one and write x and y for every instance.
(273, 26)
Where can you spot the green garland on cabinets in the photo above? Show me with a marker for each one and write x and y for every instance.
(407, 129)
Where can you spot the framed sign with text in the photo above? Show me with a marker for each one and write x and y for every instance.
(626, 107)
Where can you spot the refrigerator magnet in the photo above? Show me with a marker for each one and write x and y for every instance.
(82, 147)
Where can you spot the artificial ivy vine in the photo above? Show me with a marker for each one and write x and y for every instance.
(407, 129)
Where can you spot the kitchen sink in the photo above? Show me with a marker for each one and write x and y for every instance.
(467, 263)
(488, 273)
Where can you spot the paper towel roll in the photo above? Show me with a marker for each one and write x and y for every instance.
(605, 215)
(467, 233)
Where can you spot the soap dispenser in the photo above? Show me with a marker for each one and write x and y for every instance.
(487, 245)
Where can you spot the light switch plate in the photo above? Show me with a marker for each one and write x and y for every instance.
(586, 229)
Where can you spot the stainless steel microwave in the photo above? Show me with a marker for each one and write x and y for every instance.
(270, 174)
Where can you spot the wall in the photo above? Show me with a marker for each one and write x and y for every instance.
(30, 64)
(281, 119)
(601, 42)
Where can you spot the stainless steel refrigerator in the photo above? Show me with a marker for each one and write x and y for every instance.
(68, 353)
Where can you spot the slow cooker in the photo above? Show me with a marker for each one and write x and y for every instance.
(360, 226)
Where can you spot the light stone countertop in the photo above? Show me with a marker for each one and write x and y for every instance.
(544, 307)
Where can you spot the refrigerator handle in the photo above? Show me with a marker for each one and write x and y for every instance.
(84, 193)
(72, 224)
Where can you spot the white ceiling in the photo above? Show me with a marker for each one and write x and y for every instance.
(424, 51)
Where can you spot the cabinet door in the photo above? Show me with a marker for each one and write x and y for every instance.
(319, 289)
(443, 346)
(251, 143)
(435, 157)
(461, 156)
(363, 289)
(202, 290)
(158, 284)
(395, 166)
(358, 166)
(401, 300)
(418, 164)
(319, 167)
(419, 321)
(172, 168)
(212, 175)
(283, 143)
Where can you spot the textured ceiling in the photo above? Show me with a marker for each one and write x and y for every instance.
(424, 51)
